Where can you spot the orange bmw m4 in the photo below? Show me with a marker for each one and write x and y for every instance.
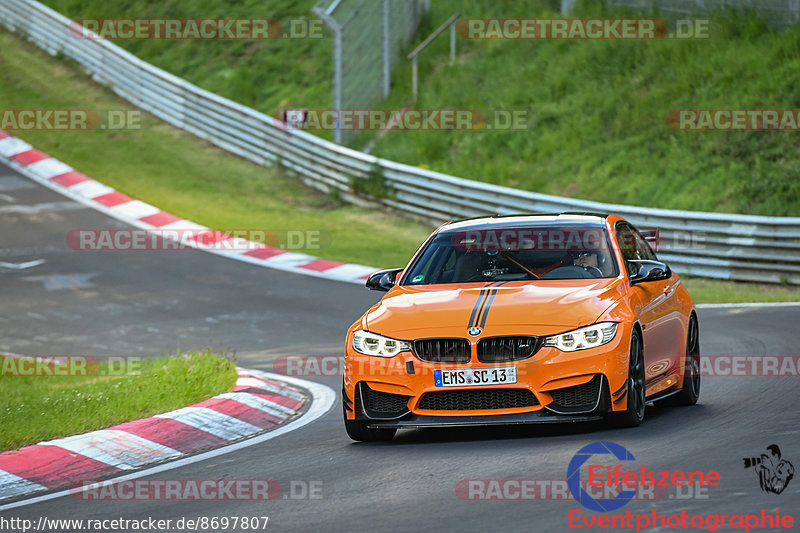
(522, 319)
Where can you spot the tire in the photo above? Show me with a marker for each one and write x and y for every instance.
(633, 415)
(358, 431)
(691, 372)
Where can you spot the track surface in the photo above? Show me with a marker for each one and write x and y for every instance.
(133, 303)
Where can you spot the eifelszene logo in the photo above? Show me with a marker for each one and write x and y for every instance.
(574, 476)
(621, 482)
(774, 473)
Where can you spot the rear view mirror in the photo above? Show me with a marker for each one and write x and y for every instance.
(649, 271)
(383, 280)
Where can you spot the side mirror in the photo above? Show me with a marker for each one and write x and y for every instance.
(383, 280)
(649, 271)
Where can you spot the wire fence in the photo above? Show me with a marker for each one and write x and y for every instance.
(368, 38)
(776, 12)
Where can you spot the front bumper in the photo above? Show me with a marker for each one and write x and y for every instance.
(567, 386)
(536, 417)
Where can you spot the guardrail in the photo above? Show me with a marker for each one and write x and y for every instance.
(724, 246)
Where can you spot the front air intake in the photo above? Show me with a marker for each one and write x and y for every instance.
(443, 350)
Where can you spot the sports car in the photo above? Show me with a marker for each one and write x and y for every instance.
(522, 319)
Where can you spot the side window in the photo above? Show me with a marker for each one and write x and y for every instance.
(643, 249)
(432, 266)
(633, 246)
(627, 245)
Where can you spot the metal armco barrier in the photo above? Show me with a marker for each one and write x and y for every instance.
(716, 245)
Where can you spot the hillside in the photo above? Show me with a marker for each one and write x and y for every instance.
(595, 109)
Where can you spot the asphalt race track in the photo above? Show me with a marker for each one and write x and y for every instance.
(149, 303)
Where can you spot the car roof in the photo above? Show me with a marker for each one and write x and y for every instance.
(527, 220)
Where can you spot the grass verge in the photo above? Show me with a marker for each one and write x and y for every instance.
(596, 112)
(41, 407)
(713, 291)
(188, 177)
(183, 175)
(595, 109)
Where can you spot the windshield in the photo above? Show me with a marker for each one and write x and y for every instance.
(510, 254)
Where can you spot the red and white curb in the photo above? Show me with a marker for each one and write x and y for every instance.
(62, 178)
(257, 403)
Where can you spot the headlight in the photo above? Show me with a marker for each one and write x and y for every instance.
(378, 345)
(583, 338)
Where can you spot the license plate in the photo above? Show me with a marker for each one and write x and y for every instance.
(469, 377)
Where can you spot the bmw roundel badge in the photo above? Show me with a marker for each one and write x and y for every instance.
(475, 331)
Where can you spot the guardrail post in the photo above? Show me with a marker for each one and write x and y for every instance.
(415, 53)
(386, 52)
(414, 73)
(452, 43)
(337, 63)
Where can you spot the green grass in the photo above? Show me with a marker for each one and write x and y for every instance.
(43, 407)
(265, 74)
(596, 108)
(188, 177)
(597, 113)
(711, 291)
(164, 166)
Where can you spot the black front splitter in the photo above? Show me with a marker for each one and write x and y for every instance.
(536, 417)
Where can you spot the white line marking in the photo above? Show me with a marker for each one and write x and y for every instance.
(134, 209)
(49, 168)
(62, 282)
(15, 485)
(115, 447)
(322, 400)
(22, 266)
(90, 189)
(250, 382)
(348, 271)
(184, 225)
(257, 402)
(35, 209)
(282, 391)
(13, 146)
(218, 424)
(290, 259)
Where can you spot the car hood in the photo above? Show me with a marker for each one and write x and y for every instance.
(552, 306)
